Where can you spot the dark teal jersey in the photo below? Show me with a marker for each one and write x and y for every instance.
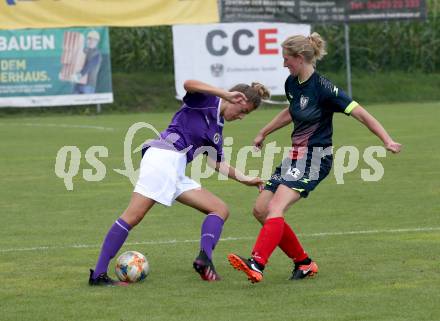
(312, 105)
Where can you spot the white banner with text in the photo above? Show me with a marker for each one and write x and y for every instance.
(226, 54)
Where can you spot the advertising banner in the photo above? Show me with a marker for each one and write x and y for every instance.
(17, 14)
(226, 54)
(53, 67)
(313, 11)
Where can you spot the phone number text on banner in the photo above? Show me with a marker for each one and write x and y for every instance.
(53, 67)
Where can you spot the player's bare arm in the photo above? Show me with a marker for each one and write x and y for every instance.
(233, 173)
(376, 128)
(279, 121)
(199, 86)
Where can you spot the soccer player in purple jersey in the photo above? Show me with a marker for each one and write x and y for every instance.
(195, 128)
(313, 101)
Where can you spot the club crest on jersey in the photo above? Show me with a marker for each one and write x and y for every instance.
(216, 138)
(303, 102)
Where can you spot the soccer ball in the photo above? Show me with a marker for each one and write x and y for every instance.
(132, 267)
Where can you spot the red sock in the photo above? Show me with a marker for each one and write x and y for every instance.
(268, 239)
(291, 246)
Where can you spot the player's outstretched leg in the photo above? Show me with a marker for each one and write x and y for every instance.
(250, 267)
(137, 208)
(303, 269)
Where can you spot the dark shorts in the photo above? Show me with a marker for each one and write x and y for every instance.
(301, 175)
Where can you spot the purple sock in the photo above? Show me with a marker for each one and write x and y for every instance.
(116, 236)
(211, 229)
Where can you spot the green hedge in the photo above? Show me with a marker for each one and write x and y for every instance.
(142, 48)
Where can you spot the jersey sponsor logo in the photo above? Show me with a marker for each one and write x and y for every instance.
(303, 102)
(216, 138)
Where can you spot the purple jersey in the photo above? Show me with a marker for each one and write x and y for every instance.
(196, 128)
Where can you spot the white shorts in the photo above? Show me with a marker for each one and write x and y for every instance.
(162, 176)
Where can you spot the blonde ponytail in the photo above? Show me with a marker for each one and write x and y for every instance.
(319, 45)
(312, 48)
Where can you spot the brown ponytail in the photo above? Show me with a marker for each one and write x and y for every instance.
(254, 93)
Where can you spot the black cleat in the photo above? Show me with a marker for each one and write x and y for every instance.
(104, 280)
(204, 266)
(303, 269)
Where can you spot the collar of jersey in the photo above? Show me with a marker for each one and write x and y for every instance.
(303, 83)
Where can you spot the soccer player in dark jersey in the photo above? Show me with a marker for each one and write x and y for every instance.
(196, 128)
(313, 101)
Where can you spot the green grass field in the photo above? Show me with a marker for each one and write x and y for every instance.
(377, 243)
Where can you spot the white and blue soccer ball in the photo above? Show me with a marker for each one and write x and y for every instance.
(132, 267)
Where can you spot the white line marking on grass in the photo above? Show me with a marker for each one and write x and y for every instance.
(60, 126)
(226, 239)
(400, 230)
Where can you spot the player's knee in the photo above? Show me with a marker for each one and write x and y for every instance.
(222, 210)
(260, 212)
